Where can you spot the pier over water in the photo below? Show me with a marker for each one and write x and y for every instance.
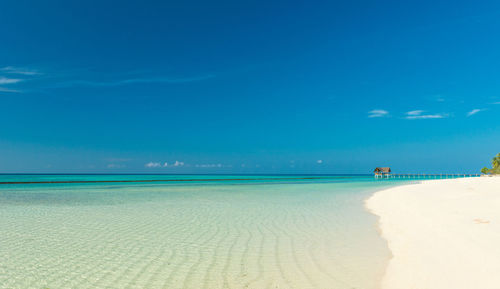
(424, 176)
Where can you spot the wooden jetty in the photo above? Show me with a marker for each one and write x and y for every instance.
(425, 176)
(386, 173)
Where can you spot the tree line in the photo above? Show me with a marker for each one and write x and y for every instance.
(495, 166)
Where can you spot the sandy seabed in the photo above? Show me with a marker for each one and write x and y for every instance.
(442, 233)
(299, 236)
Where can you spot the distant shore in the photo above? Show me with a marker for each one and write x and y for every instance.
(442, 233)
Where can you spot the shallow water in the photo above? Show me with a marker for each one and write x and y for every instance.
(224, 234)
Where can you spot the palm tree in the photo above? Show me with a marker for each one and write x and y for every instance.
(496, 161)
(495, 170)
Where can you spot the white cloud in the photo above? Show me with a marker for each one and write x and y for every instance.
(152, 165)
(8, 80)
(164, 165)
(5, 80)
(418, 114)
(378, 113)
(474, 111)
(17, 70)
(426, 116)
(498, 102)
(319, 161)
(414, 112)
(25, 74)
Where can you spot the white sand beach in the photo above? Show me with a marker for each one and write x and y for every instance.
(443, 234)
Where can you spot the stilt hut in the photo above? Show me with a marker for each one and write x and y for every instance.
(381, 172)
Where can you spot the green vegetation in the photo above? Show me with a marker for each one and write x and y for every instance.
(495, 163)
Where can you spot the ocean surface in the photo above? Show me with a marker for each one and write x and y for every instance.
(189, 231)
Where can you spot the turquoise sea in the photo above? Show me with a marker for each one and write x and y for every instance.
(189, 231)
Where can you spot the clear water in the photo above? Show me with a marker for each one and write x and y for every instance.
(259, 233)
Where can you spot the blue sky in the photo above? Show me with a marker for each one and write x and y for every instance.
(248, 86)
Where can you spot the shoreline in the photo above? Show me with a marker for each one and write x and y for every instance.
(441, 233)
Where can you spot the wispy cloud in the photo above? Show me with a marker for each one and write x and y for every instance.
(21, 76)
(70, 83)
(18, 70)
(378, 113)
(474, 111)
(82, 79)
(319, 161)
(427, 116)
(498, 102)
(5, 80)
(415, 112)
(419, 114)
